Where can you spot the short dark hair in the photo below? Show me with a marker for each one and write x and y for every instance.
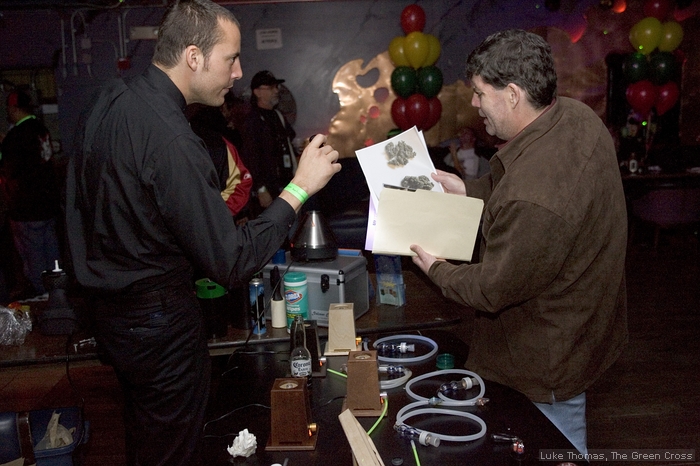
(189, 22)
(20, 99)
(518, 57)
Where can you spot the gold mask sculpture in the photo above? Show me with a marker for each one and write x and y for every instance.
(365, 112)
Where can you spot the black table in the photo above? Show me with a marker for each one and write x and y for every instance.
(243, 398)
(425, 308)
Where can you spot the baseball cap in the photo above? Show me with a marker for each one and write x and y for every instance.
(264, 78)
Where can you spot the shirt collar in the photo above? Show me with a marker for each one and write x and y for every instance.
(162, 81)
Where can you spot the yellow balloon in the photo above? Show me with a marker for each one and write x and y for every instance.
(433, 50)
(416, 48)
(645, 35)
(671, 36)
(396, 52)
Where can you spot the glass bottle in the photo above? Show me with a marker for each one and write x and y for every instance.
(300, 357)
(633, 164)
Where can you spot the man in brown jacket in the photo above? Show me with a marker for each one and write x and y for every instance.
(549, 288)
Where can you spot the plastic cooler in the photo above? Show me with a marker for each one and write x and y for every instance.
(38, 422)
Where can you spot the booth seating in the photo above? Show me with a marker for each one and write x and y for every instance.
(667, 208)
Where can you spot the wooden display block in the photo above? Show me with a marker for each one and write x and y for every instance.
(341, 330)
(363, 384)
(290, 417)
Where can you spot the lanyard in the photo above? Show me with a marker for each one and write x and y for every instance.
(28, 117)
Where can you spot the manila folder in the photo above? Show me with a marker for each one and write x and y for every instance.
(444, 225)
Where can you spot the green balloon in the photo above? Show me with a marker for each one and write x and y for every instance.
(429, 81)
(393, 132)
(635, 67)
(403, 81)
(664, 67)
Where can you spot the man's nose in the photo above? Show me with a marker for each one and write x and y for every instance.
(237, 71)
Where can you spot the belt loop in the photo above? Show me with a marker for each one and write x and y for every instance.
(25, 438)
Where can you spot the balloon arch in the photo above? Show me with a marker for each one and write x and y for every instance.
(416, 80)
(653, 69)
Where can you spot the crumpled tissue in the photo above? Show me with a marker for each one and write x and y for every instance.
(243, 445)
(56, 435)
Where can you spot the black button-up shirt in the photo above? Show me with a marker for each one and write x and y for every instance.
(143, 203)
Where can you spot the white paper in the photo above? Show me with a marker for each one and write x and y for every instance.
(378, 169)
(243, 445)
(444, 225)
(371, 225)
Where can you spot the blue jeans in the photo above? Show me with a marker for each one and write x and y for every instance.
(37, 245)
(570, 418)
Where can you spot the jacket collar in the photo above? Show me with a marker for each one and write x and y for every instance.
(511, 150)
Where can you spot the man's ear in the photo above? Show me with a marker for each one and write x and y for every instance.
(193, 57)
(515, 93)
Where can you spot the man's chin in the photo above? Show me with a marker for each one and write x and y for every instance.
(217, 101)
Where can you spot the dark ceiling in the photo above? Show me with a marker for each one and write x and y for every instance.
(73, 4)
(107, 4)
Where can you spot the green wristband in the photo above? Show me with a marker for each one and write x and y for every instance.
(297, 192)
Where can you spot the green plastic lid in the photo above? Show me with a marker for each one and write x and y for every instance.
(207, 289)
(294, 277)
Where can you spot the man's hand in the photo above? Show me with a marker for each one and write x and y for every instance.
(317, 166)
(450, 182)
(264, 198)
(423, 260)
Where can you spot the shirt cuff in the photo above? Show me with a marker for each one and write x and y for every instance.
(280, 211)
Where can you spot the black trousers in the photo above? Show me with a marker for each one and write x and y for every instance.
(157, 343)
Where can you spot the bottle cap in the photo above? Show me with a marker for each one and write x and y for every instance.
(445, 361)
(280, 257)
(294, 277)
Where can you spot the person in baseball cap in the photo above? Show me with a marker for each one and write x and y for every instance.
(267, 141)
(264, 78)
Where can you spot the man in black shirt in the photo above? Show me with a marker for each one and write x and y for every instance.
(144, 209)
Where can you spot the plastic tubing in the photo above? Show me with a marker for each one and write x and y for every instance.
(397, 382)
(429, 355)
(418, 407)
(444, 400)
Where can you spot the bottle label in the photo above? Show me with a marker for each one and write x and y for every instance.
(301, 367)
(293, 296)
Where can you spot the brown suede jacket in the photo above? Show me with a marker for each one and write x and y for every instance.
(549, 289)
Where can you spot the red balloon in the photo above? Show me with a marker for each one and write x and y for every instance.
(417, 110)
(434, 112)
(657, 9)
(398, 113)
(666, 97)
(680, 56)
(412, 19)
(641, 96)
